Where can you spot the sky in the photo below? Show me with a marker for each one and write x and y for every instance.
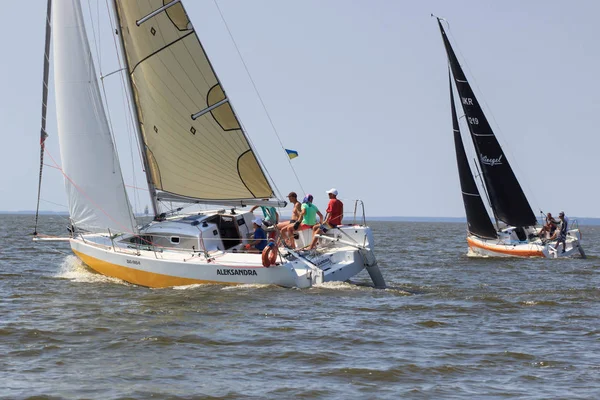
(360, 90)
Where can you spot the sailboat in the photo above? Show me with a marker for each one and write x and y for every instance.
(194, 151)
(518, 236)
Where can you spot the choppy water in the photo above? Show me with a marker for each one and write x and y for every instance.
(449, 327)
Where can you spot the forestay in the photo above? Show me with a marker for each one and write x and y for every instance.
(94, 183)
(195, 147)
(506, 196)
(478, 220)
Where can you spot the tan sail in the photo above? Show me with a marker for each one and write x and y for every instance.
(195, 147)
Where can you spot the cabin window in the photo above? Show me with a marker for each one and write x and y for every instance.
(144, 239)
(175, 239)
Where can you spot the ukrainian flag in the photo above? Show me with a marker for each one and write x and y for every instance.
(291, 153)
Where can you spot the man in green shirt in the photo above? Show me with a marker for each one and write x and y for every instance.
(309, 213)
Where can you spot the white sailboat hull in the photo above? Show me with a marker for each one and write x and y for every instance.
(199, 153)
(508, 247)
(176, 268)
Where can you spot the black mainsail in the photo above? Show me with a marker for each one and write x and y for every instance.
(478, 220)
(506, 195)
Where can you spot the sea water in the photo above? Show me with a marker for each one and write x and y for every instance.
(449, 326)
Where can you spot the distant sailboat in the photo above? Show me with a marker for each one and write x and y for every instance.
(195, 151)
(507, 200)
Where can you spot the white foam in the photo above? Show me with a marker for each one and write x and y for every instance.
(73, 269)
(341, 286)
(246, 286)
(192, 286)
(471, 253)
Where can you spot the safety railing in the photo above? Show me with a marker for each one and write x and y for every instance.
(361, 204)
(574, 224)
(150, 245)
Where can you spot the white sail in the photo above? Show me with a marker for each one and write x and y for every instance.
(195, 147)
(94, 183)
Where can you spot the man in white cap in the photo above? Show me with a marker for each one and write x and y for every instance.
(333, 216)
(335, 209)
(260, 238)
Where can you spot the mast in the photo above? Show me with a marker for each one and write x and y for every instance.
(478, 220)
(136, 116)
(506, 195)
(43, 134)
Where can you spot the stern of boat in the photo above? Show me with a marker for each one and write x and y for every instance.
(355, 244)
(573, 245)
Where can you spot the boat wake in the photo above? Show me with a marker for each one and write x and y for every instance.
(219, 285)
(190, 287)
(337, 285)
(472, 254)
(76, 271)
(248, 286)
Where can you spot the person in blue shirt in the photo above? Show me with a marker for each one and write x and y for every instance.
(270, 218)
(260, 238)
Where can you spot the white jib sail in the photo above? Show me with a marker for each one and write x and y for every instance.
(95, 189)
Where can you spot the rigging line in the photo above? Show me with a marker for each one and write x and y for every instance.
(96, 41)
(43, 133)
(56, 204)
(54, 249)
(258, 155)
(112, 135)
(80, 190)
(52, 166)
(258, 94)
(111, 73)
(135, 187)
(126, 99)
(123, 84)
(99, 35)
(105, 97)
(131, 139)
(272, 184)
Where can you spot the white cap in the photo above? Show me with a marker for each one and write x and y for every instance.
(258, 221)
(333, 191)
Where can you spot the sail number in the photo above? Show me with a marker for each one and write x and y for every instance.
(467, 101)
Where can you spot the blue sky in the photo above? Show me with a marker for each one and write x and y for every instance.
(359, 89)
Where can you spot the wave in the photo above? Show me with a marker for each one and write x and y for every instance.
(73, 269)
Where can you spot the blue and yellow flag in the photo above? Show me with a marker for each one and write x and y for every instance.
(291, 153)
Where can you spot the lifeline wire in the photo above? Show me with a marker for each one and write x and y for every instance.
(258, 94)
